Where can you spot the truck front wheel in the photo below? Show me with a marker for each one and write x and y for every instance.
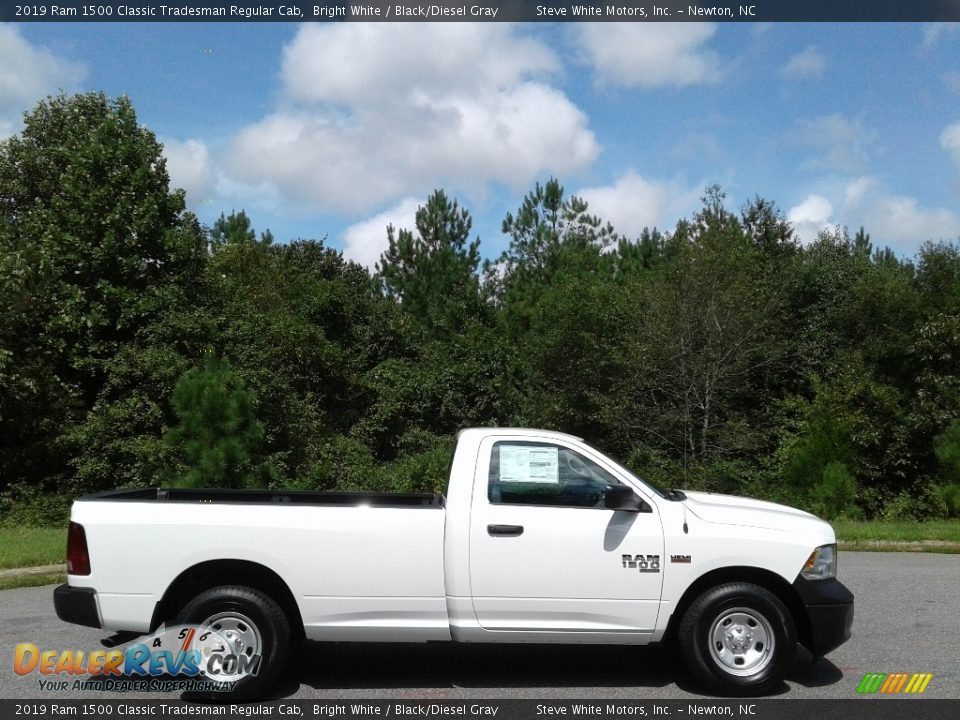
(244, 638)
(738, 639)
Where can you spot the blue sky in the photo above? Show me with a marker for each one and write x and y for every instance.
(333, 130)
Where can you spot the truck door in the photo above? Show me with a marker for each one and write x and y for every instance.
(547, 557)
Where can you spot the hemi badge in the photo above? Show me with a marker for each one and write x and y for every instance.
(680, 558)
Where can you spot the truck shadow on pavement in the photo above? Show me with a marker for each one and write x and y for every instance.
(440, 670)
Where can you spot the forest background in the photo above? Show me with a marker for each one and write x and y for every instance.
(139, 348)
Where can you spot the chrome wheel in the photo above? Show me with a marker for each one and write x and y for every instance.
(242, 641)
(741, 642)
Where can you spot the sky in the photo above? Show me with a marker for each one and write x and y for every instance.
(334, 130)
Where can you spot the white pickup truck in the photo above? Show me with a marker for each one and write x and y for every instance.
(540, 539)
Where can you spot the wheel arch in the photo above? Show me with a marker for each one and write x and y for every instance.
(766, 579)
(214, 573)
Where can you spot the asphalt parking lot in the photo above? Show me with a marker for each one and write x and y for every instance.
(907, 620)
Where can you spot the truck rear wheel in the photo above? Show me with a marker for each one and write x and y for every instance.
(738, 639)
(253, 637)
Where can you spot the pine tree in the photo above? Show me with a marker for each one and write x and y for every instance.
(544, 222)
(861, 243)
(432, 271)
(218, 429)
(236, 228)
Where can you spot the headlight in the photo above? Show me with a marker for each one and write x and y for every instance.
(821, 564)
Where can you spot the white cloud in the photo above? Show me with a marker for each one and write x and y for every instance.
(858, 189)
(935, 32)
(893, 220)
(902, 223)
(809, 63)
(842, 144)
(649, 55)
(364, 242)
(950, 141)
(377, 111)
(810, 217)
(408, 58)
(30, 73)
(190, 168)
(633, 203)
(898, 220)
(951, 81)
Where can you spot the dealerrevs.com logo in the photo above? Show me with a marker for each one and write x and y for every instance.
(899, 683)
(211, 659)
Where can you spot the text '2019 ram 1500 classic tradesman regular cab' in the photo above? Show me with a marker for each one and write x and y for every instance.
(540, 539)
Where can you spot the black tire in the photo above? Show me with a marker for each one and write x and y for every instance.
(738, 639)
(259, 618)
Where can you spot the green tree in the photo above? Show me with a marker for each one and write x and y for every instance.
(705, 333)
(948, 451)
(218, 431)
(236, 228)
(766, 227)
(546, 222)
(947, 448)
(841, 299)
(861, 244)
(633, 257)
(560, 310)
(93, 247)
(433, 271)
(446, 373)
(938, 277)
(833, 496)
(302, 325)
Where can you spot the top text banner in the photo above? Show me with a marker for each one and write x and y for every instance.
(488, 11)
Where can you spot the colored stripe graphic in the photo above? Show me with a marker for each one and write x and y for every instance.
(187, 640)
(871, 682)
(185, 645)
(922, 680)
(894, 683)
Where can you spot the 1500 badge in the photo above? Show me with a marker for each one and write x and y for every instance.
(643, 563)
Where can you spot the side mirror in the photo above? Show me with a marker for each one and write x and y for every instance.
(622, 497)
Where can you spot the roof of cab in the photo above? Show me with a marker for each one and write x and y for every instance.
(531, 432)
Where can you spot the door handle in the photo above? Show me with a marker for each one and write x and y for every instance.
(505, 530)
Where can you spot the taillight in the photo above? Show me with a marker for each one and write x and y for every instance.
(78, 559)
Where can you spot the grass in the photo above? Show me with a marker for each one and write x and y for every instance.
(856, 531)
(21, 581)
(31, 546)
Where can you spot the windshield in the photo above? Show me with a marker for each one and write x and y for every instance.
(665, 494)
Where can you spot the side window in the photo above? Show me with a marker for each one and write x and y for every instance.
(529, 473)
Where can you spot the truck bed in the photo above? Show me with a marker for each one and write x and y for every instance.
(354, 563)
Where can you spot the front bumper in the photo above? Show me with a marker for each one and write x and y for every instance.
(77, 605)
(829, 608)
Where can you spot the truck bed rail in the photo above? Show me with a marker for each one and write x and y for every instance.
(261, 497)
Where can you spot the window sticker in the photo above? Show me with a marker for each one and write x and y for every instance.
(529, 464)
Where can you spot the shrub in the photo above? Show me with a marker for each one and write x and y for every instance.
(655, 466)
(423, 472)
(341, 463)
(950, 494)
(23, 506)
(947, 448)
(833, 496)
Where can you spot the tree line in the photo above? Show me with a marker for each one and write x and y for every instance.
(138, 347)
